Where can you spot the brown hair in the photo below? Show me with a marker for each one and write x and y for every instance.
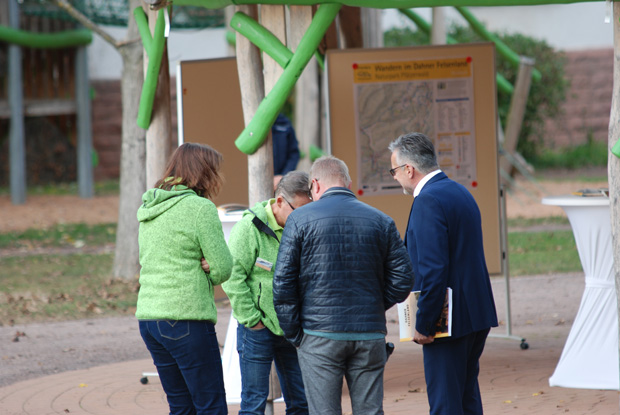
(196, 166)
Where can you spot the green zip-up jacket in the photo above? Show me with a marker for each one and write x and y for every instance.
(254, 258)
(177, 229)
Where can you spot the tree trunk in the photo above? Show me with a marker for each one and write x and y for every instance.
(158, 135)
(307, 93)
(613, 164)
(438, 30)
(133, 157)
(252, 93)
(372, 30)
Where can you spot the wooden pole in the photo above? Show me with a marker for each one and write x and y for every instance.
(158, 141)
(307, 94)
(84, 125)
(438, 30)
(517, 111)
(17, 145)
(251, 81)
(613, 164)
(372, 29)
(273, 18)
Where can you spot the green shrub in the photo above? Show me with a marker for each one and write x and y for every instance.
(592, 153)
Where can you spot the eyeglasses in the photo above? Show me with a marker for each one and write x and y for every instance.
(393, 171)
(289, 203)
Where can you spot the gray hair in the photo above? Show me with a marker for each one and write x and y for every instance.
(416, 149)
(292, 184)
(331, 170)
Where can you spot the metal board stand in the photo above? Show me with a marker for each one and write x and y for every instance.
(506, 272)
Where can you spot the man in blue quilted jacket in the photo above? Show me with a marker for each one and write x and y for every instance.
(341, 265)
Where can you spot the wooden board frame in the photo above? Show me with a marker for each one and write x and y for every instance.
(210, 112)
(342, 134)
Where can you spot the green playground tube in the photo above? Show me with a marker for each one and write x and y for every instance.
(616, 149)
(282, 55)
(376, 4)
(154, 47)
(262, 38)
(55, 40)
(231, 38)
(315, 152)
(256, 131)
(502, 83)
(502, 48)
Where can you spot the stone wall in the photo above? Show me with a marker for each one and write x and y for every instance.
(588, 102)
(107, 126)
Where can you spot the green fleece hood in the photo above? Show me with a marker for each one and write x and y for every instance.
(157, 201)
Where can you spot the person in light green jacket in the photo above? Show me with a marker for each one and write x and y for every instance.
(254, 243)
(179, 226)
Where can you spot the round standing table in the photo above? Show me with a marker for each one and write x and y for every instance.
(589, 359)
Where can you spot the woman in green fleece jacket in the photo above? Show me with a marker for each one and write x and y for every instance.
(179, 225)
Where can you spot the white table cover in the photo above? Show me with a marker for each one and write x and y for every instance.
(230, 357)
(589, 359)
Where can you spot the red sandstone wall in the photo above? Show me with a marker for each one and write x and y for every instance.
(588, 102)
(107, 116)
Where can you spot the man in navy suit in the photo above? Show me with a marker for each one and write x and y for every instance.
(444, 242)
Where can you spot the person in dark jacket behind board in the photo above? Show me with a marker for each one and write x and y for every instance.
(341, 265)
(285, 148)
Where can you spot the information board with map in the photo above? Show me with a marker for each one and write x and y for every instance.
(447, 92)
(434, 97)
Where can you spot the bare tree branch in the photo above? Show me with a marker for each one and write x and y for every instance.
(86, 22)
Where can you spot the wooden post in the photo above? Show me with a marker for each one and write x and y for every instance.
(372, 29)
(158, 135)
(517, 111)
(438, 29)
(17, 145)
(228, 14)
(613, 164)
(84, 125)
(307, 94)
(273, 18)
(252, 93)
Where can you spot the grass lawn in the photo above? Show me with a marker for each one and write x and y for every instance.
(73, 286)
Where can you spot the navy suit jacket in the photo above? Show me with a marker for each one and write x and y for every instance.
(444, 241)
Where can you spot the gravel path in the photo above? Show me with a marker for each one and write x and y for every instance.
(543, 309)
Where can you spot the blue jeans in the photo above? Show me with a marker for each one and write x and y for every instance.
(257, 349)
(187, 356)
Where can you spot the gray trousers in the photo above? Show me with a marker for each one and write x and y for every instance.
(324, 363)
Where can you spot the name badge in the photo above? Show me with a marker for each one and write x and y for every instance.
(261, 263)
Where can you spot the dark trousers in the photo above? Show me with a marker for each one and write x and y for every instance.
(325, 362)
(451, 368)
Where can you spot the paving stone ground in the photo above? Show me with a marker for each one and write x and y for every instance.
(512, 380)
